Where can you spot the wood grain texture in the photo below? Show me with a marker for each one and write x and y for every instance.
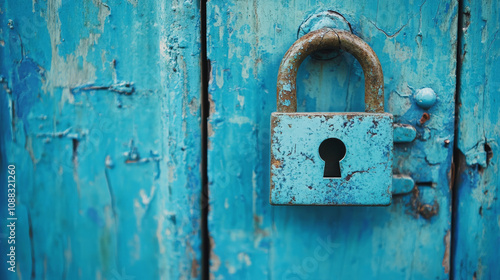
(477, 211)
(415, 42)
(100, 113)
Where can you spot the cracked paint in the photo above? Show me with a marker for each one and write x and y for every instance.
(426, 44)
(477, 175)
(79, 81)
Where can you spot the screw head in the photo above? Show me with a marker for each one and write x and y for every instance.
(425, 97)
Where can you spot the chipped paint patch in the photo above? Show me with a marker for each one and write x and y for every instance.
(244, 258)
(240, 120)
(219, 78)
(397, 51)
(70, 65)
(133, 2)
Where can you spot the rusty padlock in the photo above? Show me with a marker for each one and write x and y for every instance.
(331, 158)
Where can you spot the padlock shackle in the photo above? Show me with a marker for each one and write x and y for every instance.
(329, 38)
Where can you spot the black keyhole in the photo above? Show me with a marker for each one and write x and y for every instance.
(332, 151)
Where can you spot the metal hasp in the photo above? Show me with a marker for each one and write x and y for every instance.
(297, 169)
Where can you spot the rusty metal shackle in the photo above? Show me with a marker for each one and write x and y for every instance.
(329, 38)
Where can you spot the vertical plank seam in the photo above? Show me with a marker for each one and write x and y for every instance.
(205, 241)
(456, 152)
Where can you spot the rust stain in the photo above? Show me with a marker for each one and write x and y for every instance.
(425, 117)
(328, 38)
(428, 211)
(194, 268)
(451, 176)
(425, 210)
(215, 260)
(446, 257)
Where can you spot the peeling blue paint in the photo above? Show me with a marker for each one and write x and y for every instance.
(358, 242)
(477, 208)
(79, 81)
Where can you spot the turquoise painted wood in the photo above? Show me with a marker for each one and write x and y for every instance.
(415, 42)
(100, 113)
(477, 205)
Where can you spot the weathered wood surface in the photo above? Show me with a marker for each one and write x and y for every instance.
(100, 113)
(415, 42)
(477, 205)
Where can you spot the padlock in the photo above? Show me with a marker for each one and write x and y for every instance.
(331, 158)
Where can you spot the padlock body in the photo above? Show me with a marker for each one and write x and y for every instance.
(297, 169)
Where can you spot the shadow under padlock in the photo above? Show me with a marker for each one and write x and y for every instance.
(332, 151)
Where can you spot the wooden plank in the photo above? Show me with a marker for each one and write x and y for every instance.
(416, 43)
(477, 216)
(101, 116)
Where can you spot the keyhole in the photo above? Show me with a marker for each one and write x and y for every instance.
(332, 151)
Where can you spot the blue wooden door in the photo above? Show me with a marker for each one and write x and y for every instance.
(137, 133)
(416, 45)
(443, 46)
